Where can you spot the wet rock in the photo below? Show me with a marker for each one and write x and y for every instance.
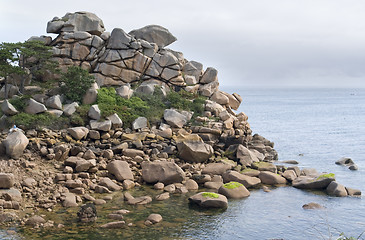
(87, 213)
(313, 182)
(15, 144)
(234, 190)
(107, 182)
(290, 175)
(115, 216)
(154, 218)
(247, 181)
(162, 171)
(347, 162)
(170, 188)
(271, 178)
(312, 205)
(163, 196)
(336, 189)
(209, 200)
(35, 220)
(353, 192)
(159, 186)
(190, 185)
(118, 224)
(121, 170)
(99, 201)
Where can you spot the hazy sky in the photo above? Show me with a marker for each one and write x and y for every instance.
(251, 43)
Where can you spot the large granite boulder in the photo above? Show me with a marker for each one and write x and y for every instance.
(162, 171)
(139, 123)
(194, 150)
(234, 176)
(15, 143)
(336, 189)
(154, 34)
(216, 168)
(209, 200)
(271, 178)
(314, 182)
(54, 102)
(78, 21)
(174, 118)
(234, 190)
(121, 170)
(239, 152)
(8, 109)
(35, 107)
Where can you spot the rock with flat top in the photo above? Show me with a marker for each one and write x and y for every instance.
(162, 171)
(120, 169)
(154, 34)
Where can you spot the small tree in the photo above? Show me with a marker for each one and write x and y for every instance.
(76, 82)
(34, 55)
(8, 63)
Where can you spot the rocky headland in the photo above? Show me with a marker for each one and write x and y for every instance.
(213, 155)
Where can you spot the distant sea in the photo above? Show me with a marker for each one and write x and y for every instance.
(316, 127)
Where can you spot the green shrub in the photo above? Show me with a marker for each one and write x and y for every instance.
(76, 82)
(29, 121)
(20, 102)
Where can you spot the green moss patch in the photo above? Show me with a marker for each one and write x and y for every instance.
(327, 175)
(210, 195)
(232, 185)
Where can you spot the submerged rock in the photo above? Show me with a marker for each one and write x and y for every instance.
(314, 182)
(87, 213)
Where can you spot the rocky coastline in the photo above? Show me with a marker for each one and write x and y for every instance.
(214, 155)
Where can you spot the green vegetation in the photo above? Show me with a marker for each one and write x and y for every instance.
(327, 175)
(232, 185)
(28, 121)
(150, 106)
(20, 103)
(210, 195)
(76, 82)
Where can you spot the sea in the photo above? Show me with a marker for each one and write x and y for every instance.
(315, 127)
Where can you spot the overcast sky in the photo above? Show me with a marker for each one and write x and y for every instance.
(262, 43)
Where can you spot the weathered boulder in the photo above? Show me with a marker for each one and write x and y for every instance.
(115, 120)
(8, 109)
(190, 184)
(154, 34)
(125, 91)
(209, 200)
(91, 94)
(264, 166)
(194, 150)
(78, 133)
(353, 192)
(239, 152)
(138, 123)
(121, 170)
(271, 178)
(6, 180)
(234, 176)
(162, 171)
(347, 162)
(313, 182)
(107, 182)
(312, 205)
(216, 168)
(336, 189)
(34, 107)
(69, 109)
(290, 175)
(174, 118)
(119, 39)
(101, 126)
(94, 112)
(234, 190)
(112, 225)
(15, 143)
(54, 102)
(153, 219)
(35, 220)
(78, 21)
(210, 75)
(69, 200)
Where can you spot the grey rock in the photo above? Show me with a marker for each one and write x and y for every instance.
(115, 120)
(210, 75)
(154, 34)
(312, 182)
(94, 112)
(15, 144)
(35, 107)
(336, 189)
(125, 91)
(78, 21)
(206, 201)
(78, 133)
(216, 168)
(69, 109)
(353, 192)
(271, 178)
(312, 205)
(107, 182)
(162, 171)
(234, 176)
(140, 122)
(91, 94)
(6, 180)
(174, 118)
(237, 192)
(154, 218)
(70, 200)
(101, 126)
(119, 39)
(114, 225)
(194, 151)
(121, 170)
(35, 220)
(8, 109)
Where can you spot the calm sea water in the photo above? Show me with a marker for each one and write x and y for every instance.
(313, 126)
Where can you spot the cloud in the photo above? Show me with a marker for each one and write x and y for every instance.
(261, 43)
